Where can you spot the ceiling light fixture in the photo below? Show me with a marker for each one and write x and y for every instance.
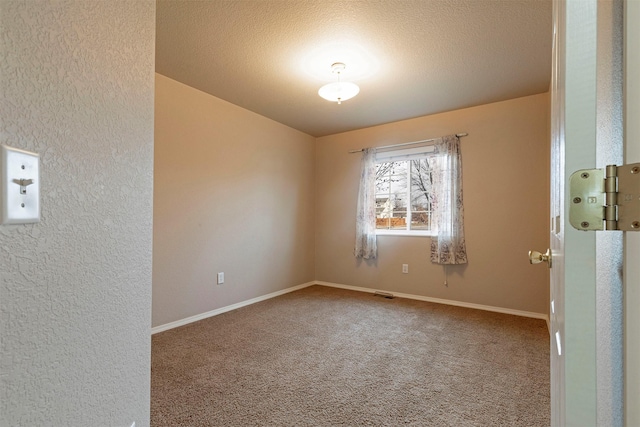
(338, 91)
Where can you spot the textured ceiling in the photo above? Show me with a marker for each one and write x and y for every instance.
(410, 58)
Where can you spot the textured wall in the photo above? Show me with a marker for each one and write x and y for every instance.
(77, 87)
(609, 246)
(631, 271)
(506, 195)
(233, 193)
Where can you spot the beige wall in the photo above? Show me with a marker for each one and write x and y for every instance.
(506, 195)
(239, 193)
(234, 194)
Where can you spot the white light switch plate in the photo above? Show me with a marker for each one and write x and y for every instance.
(20, 186)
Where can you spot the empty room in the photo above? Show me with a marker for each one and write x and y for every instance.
(256, 193)
(315, 213)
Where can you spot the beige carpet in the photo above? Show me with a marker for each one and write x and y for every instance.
(330, 357)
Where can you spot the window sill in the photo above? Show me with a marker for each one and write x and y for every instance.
(404, 233)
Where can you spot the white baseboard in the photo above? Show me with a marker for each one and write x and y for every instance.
(444, 301)
(227, 308)
(221, 310)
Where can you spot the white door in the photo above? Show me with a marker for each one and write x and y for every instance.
(572, 297)
(573, 146)
(556, 240)
(586, 290)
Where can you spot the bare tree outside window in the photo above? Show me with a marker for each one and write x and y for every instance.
(403, 195)
(421, 194)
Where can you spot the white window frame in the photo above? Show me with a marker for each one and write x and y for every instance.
(405, 154)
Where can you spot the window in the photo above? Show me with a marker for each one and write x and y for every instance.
(404, 192)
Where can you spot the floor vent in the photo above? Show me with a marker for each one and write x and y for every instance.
(383, 294)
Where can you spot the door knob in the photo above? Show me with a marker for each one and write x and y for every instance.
(536, 257)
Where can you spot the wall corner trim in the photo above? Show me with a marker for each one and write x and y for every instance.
(231, 307)
(201, 316)
(503, 310)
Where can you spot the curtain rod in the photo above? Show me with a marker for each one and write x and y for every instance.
(459, 135)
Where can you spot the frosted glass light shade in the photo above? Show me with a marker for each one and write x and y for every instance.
(339, 91)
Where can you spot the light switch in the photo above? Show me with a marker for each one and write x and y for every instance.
(20, 184)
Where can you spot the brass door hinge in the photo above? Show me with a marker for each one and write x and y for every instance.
(605, 199)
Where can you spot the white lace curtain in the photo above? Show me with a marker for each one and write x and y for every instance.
(366, 246)
(448, 245)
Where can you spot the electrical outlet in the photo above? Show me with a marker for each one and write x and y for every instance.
(405, 268)
(220, 278)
